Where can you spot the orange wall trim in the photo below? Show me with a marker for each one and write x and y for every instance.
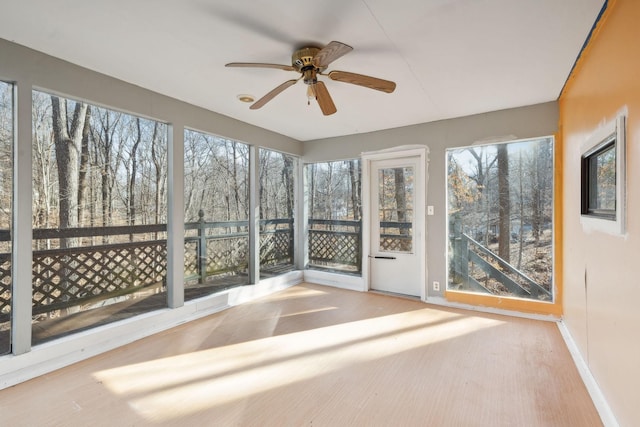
(502, 303)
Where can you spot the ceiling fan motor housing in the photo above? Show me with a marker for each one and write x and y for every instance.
(303, 58)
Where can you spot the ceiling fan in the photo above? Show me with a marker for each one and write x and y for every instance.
(311, 62)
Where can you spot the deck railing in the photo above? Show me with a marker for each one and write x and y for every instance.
(335, 245)
(108, 262)
(474, 265)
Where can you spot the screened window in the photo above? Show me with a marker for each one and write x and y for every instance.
(334, 216)
(99, 215)
(6, 206)
(277, 207)
(500, 211)
(216, 198)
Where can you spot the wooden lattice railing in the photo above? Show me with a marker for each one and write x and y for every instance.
(64, 277)
(400, 240)
(134, 258)
(5, 285)
(335, 244)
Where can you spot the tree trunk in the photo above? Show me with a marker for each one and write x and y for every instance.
(536, 202)
(131, 196)
(84, 167)
(68, 140)
(105, 172)
(262, 182)
(504, 203)
(236, 184)
(158, 178)
(400, 197)
(312, 190)
(287, 178)
(354, 176)
(521, 231)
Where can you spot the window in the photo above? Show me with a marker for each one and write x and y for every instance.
(216, 206)
(396, 209)
(99, 216)
(334, 216)
(599, 181)
(277, 208)
(6, 203)
(500, 211)
(603, 179)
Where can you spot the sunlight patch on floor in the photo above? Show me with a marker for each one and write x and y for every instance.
(172, 387)
(317, 310)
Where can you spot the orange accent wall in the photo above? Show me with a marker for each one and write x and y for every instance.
(601, 272)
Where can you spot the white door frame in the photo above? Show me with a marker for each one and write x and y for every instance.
(421, 151)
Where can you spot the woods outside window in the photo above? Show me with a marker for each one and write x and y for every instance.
(500, 212)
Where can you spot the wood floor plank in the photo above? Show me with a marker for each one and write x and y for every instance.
(319, 356)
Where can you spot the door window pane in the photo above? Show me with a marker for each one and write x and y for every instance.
(99, 216)
(216, 198)
(395, 209)
(500, 211)
(6, 204)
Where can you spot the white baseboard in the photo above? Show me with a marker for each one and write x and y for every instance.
(336, 280)
(603, 408)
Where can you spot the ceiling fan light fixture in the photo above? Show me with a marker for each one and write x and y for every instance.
(311, 94)
(245, 98)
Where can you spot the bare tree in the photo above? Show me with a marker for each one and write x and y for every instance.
(84, 166)
(400, 195)
(504, 202)
(68, 140)
(354, 177)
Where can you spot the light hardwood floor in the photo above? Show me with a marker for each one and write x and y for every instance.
(320, 356)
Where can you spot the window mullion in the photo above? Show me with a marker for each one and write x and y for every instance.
(22, 227)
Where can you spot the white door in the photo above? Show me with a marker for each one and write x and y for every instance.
(397, 223)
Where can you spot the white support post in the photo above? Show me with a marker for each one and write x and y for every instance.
(175, 217)
(254, 216)
(302, 218)
(22, 234)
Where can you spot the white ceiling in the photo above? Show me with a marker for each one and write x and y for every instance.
(449, 58)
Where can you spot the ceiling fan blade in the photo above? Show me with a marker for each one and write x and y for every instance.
(362, 80)
(260, 65)
(324, 99)
(330, 53)
(268, 97)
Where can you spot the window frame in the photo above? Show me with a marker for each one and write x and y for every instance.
(496, 300)
(589, 169)
(611, 135)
